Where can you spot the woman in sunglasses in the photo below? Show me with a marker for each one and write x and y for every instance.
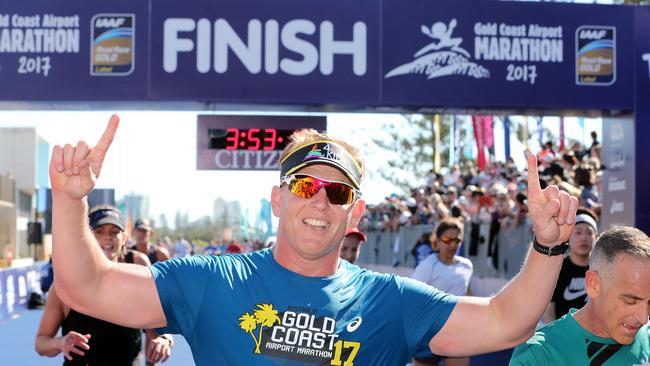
(298, 302)
(88, 341)
(447, 272)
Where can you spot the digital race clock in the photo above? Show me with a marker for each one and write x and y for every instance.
(247, 142)
(253, 139)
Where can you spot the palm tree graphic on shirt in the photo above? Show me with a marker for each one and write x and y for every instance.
(264, 316)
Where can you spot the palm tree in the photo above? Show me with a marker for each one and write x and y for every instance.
(248, 325)
(265, 315)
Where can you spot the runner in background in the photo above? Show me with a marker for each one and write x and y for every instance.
(571, 291)
(142, 232)
(447, 272)
(90, 341)
(351, 246)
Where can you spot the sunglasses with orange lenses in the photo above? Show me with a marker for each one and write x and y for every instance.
(450, 241)
(306, 186)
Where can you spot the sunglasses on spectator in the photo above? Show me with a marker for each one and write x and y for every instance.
(453, 241)
(306, 186)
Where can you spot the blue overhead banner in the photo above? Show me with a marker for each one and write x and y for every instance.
(271, 52)
(497, 54)
(395, 53)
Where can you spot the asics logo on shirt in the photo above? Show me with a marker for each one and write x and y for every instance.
(354, 324)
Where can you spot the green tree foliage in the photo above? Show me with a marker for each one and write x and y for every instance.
(412, 143)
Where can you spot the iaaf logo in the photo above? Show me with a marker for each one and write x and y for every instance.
(646, 57)
(109, 22)
(441, 57)
(592, 34)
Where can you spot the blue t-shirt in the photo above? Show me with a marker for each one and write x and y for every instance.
(248, 310)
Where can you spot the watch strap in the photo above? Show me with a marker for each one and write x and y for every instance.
(550, 251)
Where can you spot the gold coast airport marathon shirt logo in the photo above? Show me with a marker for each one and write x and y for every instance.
(298, 334)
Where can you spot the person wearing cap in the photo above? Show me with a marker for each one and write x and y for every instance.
(570, 291)
(298, 302)
(351, 245)
(612, 328)
(90, 341)
(447, 272)
(142, 231)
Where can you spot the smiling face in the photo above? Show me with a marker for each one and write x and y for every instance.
(620, 298)
(311, 230)
(111, 239)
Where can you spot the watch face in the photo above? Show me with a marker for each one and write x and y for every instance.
(253, 139)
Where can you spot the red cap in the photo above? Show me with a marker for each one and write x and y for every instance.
(234, 248)
(357, 232)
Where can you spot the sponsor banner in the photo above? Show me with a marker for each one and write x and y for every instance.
(15, 286)
(618, 157)
(498, 54)
(642, 116)
(62, 50)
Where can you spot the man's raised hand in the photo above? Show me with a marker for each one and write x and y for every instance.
(74, 169)
(552, 211)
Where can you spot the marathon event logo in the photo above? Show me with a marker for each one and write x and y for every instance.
(523, 46)
(297, 334)
(441, 57)
(112, 44)
(595, 55)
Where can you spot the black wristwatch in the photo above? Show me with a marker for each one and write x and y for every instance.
(168, 338)
(550, 251)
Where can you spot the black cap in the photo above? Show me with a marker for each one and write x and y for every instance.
(105, 215)
(143, 224)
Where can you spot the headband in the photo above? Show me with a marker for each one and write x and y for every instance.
(586, 219)
(322, 152)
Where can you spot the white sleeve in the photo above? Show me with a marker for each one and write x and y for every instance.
(422, 272)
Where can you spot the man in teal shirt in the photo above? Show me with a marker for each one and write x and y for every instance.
(612, 328)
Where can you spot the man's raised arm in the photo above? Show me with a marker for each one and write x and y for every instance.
(85, 279)
(480, 325)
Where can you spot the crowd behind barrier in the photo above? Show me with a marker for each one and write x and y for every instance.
(492, 204)
(395, 249)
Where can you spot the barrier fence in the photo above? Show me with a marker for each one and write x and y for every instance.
(16, 284)
(386, 248)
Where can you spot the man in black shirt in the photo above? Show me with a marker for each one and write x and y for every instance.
(570, 291)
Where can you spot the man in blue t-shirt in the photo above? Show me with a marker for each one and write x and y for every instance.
(298, 302)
